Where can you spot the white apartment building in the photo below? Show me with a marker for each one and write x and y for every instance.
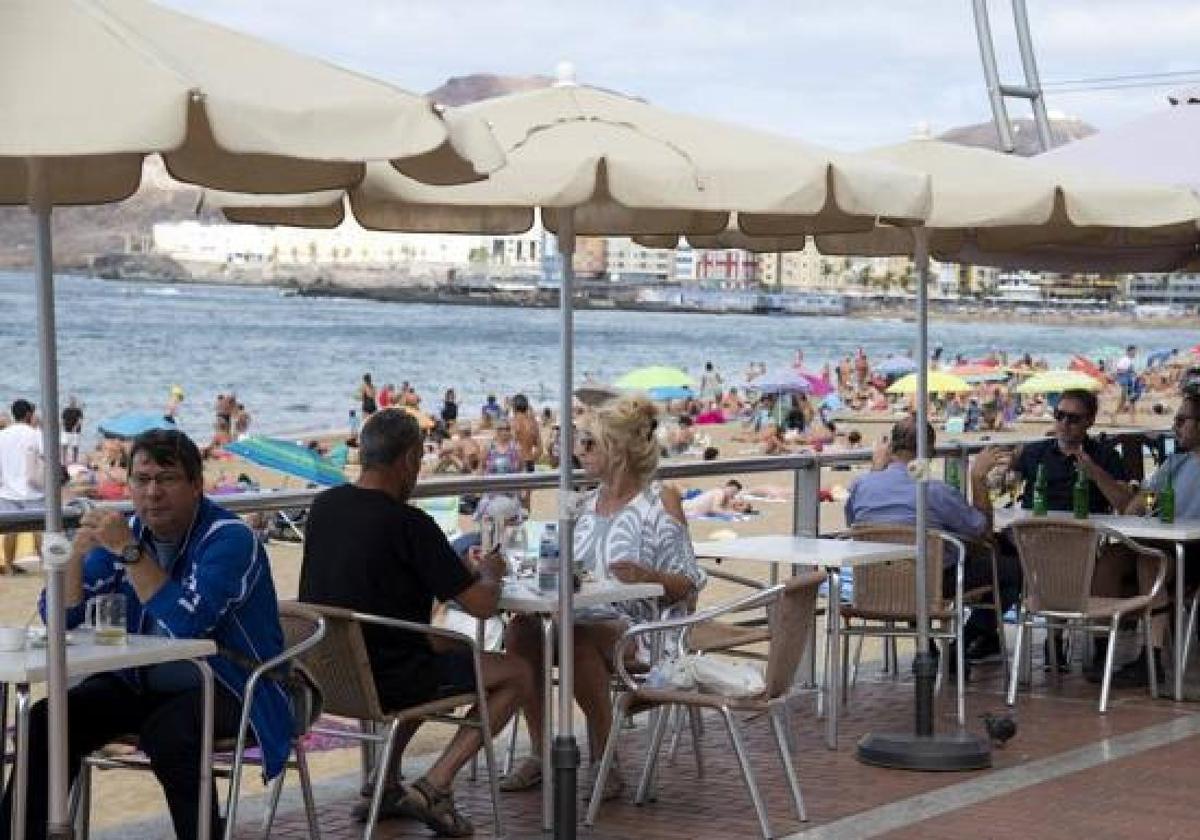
(807, 269)
(630, 262)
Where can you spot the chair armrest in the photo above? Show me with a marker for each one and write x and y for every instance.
(418, 628)
(1144, 551)
(741, 580)
(754, 600)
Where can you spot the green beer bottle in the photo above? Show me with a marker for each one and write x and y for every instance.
(1040, 504)
(953, 474)
(1080, 496)
(1166, 501)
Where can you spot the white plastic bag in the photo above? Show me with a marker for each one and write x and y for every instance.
(726, 677)
(675, 672)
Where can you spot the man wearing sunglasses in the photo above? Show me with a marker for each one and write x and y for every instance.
(1182, 468)
(1069, 448)
(1108, 490)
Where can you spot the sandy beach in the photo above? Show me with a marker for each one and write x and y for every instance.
(126, 797)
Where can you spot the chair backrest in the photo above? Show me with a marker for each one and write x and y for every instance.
(300, 622)
(891, 588)
(342, 668)
(303, 628)
(790, 619)
(1058, 560)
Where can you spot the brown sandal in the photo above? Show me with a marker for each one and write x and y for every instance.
(436, 809)
(525, 776)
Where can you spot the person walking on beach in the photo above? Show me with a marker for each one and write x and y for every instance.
(72, 431)
(366, 548)
(862, 367)
(187, 569)
(366, 397)
(710, 383)
(21, 473)
(525, 433)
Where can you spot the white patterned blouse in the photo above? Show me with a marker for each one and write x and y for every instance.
(642, 531)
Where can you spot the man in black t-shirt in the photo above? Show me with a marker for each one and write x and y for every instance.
(1108, 481)
(367, 549)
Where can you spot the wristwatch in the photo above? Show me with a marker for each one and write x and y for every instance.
(132, 553)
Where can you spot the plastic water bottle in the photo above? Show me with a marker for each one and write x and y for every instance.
(547, 564)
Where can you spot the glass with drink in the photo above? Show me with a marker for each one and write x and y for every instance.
(106, 615)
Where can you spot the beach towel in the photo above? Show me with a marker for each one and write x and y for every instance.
(725, 516)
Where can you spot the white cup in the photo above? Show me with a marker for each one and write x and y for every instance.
(12, 639)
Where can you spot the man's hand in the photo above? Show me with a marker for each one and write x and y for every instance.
(628, 571)
(881, 454)
(107, 528)
(491, 565)
(987, 460)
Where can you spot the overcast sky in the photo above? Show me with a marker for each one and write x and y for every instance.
(846, 73)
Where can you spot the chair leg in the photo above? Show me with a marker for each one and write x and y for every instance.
(1108, 663)
(1153, 673)
(383, 759)
(845, 667)
(739, 749)
(697, 743)
(676, 724)
(273, 794)
(306, 790)
(489, 757)
(1014, 673)
(606, 762)
(857, 660)
(81, 802)
(646, 783)
(960, 662)
(779, 721)
(1191, 629)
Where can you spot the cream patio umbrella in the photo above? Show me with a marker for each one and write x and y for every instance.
(598, 163)
(994, 209)
(88, 88)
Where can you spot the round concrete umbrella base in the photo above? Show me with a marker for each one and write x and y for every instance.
(934, 753)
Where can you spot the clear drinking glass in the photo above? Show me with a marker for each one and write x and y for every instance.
(106, 615)
(516, 551)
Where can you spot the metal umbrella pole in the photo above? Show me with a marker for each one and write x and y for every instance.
(54, 543)
(565, 751)
(923, 749)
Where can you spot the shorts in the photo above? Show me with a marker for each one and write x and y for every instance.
(71, 439)
(452, 673)
(530, 466)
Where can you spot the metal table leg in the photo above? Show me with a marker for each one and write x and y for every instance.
(1179, 631)
(20, 771)
(204, 815)
(832, 666)
(547, 722)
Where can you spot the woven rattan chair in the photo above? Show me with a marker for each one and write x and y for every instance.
(303, 629)
(1058, 560)
(790, 608)
(342, 667)
(884, 599)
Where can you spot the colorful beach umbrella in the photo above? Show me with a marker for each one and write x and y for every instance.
(782, 380)
(979, 372)
(130, 424)
(938, 382)
(1057, 381)
(896, 366)
(288, 458)
(654, 377)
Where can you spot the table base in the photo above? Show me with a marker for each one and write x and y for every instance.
(935, 753)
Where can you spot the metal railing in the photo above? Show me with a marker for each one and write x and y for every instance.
(805, 468)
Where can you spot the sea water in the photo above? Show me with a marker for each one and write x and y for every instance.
(296, 362)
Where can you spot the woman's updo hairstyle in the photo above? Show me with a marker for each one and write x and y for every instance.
(624, 431)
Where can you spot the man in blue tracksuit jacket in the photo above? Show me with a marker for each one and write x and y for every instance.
(188, 569)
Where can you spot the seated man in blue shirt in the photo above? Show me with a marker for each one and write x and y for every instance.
(188, 569)
(889, 494)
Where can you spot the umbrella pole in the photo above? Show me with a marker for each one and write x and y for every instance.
(565, 750)
(58, 826)
(923, 749)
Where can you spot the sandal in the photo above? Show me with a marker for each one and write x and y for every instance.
(394, 804)
(526, 775)
(436, 809)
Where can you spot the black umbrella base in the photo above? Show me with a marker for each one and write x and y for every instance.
(931, 753)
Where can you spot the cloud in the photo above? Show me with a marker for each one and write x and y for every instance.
(850, 74)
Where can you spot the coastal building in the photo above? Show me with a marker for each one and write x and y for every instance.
(1172, 290)
(730, 268)
(807, 269)
(629, 262)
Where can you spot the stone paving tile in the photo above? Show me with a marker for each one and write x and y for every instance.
(1053, 719)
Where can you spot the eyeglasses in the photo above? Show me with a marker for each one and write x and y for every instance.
(164, 480)
(1069, 417)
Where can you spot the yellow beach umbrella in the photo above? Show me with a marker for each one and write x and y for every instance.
(1056, 381)
(939, 383)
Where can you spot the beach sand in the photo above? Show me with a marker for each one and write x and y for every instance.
(121, 797)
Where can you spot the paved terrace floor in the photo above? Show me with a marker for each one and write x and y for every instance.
(1069, 772)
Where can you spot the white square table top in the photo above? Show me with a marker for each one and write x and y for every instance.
(523, 596)
(1134, 527)
(85, 657)
(821, 552)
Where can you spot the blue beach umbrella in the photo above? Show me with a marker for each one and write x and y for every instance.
(782, 381)
(896, 366)
(130, 424)
(670, 392)
(289, 459)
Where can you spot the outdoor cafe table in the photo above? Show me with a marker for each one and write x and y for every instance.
(1179, 532)
(84, 658)
(826, 553)
(523, 596)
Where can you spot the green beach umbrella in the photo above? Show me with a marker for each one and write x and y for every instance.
(654, 377)
(1057, 381)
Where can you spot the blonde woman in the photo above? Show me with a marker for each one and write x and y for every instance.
(630, 529)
